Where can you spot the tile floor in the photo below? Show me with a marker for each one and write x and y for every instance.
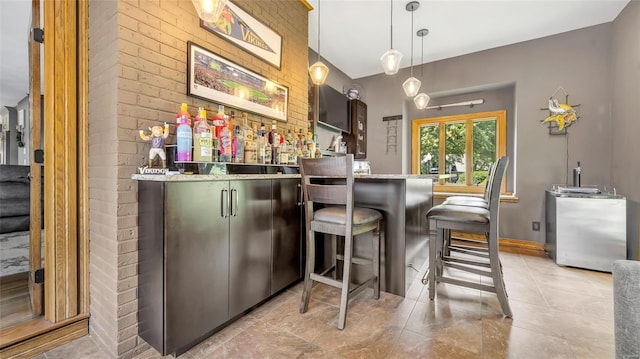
(558, 313)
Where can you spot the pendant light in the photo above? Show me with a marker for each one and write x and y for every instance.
(422, 99)
(391, 58)
(209, 10)
(318, 70)
(412, 85)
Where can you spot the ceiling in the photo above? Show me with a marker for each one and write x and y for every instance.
(355, 33)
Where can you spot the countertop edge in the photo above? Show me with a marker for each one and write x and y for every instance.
(228, 177)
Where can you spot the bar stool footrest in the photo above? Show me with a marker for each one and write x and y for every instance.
(468, 269)
(465, 283)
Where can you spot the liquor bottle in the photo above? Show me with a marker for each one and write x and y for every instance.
(202, 139)
(264, 148)
(267, 148)
(197, 119)
(317, 153)
(251, 146)
(184, 134)
(311, 145)
(218, 121)
(291, 148)
(260, 144)
(239, 146)
(300, 144)
(225, 143)
(215, 148)
(274, 142)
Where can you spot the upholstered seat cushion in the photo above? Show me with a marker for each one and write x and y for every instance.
(338, 215)
(14, 190)
(467, 201)
(14, 173)
(14, 207)
(465, 214)
(14, 224)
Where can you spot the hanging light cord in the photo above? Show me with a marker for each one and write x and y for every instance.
(412, 10)
(318, 30)
(422, 60)
(391, 23)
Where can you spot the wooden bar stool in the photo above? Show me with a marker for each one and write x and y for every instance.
(329, 181)
(469, 219)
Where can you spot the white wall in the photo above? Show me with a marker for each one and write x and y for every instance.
(625, 168)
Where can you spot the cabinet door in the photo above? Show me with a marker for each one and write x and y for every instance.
(357, 140)
(286, 241)
(197, 261)
(250, 244)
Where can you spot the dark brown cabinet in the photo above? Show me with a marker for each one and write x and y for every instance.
(211, 250)
(357, 139)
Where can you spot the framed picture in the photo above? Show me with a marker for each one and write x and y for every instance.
(214, 78)
(238, 27)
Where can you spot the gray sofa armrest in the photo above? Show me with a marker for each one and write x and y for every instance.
(626, 306)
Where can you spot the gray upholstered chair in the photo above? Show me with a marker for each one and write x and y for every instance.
(469, 219)
(329, 181)
(626, 308)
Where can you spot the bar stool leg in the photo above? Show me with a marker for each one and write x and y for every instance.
(432, 264)
(447, 242)
(496, 275)
(440, 243)
(376, 261)
(308, 283)
(334, 252)
(346, 279)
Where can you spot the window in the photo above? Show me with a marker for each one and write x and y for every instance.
(459, 149)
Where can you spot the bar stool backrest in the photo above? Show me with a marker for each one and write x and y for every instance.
(487, 187)
(328, 180)
(496, 184)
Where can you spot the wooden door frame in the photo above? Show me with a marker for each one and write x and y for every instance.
(35, 195)
(66, 186)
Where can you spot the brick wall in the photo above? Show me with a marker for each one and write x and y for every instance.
(103, 191)
(137, 78)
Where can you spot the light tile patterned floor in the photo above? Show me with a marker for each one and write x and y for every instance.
(559, 312)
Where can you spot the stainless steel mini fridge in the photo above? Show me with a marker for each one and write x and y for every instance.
(585, 228)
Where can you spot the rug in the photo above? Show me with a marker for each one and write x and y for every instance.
(14, 252)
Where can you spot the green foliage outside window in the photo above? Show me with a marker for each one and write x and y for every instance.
(458, 146)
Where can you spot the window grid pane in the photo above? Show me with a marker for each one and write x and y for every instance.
(429, 149)
(484, 149)
(471, 157)
(455, 153)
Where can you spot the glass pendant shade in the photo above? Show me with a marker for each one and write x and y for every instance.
(391, 61)
(421, 100)
(411, 86)
(209, 10)
(318, 72)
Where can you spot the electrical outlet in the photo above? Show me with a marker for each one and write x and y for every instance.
(535, 226)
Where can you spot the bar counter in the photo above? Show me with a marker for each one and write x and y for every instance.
(212, 247)
(402, 199)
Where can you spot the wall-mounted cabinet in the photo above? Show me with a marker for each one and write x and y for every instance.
(357, 139)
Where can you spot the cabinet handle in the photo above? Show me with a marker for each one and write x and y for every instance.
(234, 205)
(299, 195)
(224, 205)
